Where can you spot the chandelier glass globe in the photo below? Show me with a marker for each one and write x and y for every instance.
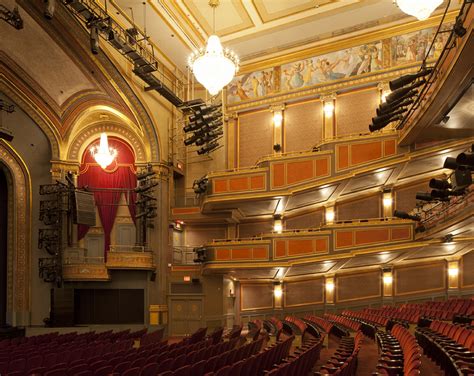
(102, 154)
(420, 9)
(214, 67)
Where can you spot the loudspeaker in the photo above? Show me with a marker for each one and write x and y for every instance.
(153, 277)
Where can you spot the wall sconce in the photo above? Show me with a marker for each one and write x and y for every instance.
(387, 278)
(277, 224)
(330, 215)
(277, 291)
(329, 286)
(277, 118)
(387, 200)
(453, 271)
(328, 108)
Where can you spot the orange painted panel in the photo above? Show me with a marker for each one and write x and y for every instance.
(239, 184)
(343, 239)
(186, 210)
(343, 156)
(372, 236)
(280, 248)
(223, 254)
(241, 253)
(220, 185)
(301, 246)
(401, 233)
(322, 167)
(390, 147)
(278, 174)
(322, 245)
(299, 171)
(257, 182)
(366, 152)
(260, 253)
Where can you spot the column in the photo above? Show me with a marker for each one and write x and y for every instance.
(330, 214)
(387, 281)
(329, 287)
(387, 201)
(278, 295)
(231, 140)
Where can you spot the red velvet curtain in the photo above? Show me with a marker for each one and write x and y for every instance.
(120, 174)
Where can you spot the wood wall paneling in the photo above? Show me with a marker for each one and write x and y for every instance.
(467, 268)
(306, 292)
(255, 137)
(311, 220)
(247, 230)
(405, 197)
(303, 126)
(358, 286)
(369, 207)
(354, 111)
(198, 235)
(255, 296)
(419, 279)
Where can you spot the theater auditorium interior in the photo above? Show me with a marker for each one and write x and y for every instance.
(236, 187)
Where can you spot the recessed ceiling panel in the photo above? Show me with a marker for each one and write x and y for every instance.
(424, 165)
(270, 10)
(437, 251)
(314, 268)
(367, 181)
(255, 273)
(310, 198)
(370, 260)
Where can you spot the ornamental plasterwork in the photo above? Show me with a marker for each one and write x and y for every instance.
(20, 222)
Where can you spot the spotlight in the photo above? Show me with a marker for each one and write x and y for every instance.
(208, 148)
(424, 196)
(459, 29)
(440, 184)
(390, 105)
(94, 40)
(450, 163)
(405, 215)
(376, 127)
(191, 140)
(200, 185)
(408, 79)
(402, 103)
(399, 93)
(466, 159)
(439, 194)
(382, 118)
(201, 254)
(49, 7)
(461, 179)
(448, 238)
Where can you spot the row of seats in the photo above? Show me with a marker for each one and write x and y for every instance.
(450, 346)
(257, 364)
(412, 312)
(373, 318)
(400, 353)
(324, 324)
(301, 362)
(102, 358)
(346, 322)
(297, 325)
(344, 361)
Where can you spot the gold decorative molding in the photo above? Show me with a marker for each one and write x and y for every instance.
(18, 294)
(130, 260)
(85, 272)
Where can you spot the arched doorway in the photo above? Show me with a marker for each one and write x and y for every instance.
(3, 246)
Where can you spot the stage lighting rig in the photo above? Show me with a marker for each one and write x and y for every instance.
(404, 215)
(206, 123)
(201, 254)
(408, 79)
(146, 203)
(12, 17)
(200, 185)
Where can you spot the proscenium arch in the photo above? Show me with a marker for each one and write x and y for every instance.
(19, 234)
(93, 131)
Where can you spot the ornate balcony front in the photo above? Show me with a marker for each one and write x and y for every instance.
(129, 257)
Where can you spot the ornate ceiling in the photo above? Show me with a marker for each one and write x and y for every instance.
(255, 28)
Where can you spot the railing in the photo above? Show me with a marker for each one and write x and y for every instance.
(128, 248)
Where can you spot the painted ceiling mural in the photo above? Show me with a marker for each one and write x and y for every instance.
(400, 50)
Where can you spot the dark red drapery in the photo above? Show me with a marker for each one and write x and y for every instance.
(120, 174)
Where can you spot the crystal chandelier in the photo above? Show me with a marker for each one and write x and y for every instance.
(213, 66)
(420, 9)
(102, 154)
